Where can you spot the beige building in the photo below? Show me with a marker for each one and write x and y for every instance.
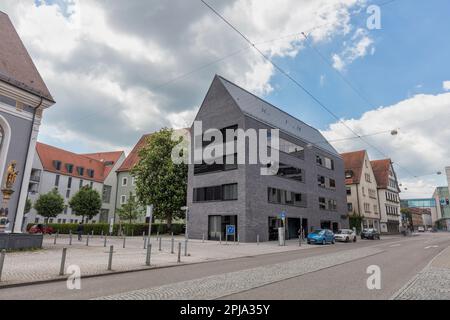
(362, 194)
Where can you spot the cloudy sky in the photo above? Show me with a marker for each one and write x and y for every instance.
(118, 69)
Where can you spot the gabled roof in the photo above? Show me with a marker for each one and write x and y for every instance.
(106, 157)
(381, 170)
(354, 162)
(265, 112)
(16, 66)
(48, 154)
(133, 157)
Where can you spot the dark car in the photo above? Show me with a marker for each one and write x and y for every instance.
(371, 234)
(41, 228)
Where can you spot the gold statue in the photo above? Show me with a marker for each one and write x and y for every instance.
(11, 175)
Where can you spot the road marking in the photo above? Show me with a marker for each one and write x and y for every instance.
(430, 247)
(395, 245)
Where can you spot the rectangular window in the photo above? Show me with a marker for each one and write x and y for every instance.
(123, 199)
(289, 172)
(217, 167)
(81, 184)
(322, 203)
(80, 171)
(274, 195)
(90, 173)
(106, 195)
(133, 181)
(69, 183)
(124, 182)
(57, 164)
(332, 184)
(69, 167)
(325, 162)
(277, 196)
(332, 205)
(349, 191)
(230, 192)
(291, 148)
(91, 184)
(350, 207)
(321, 181)
(68, 194)
(57, 180)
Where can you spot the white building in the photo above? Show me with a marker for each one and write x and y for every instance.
(388, 195)
(68, 172)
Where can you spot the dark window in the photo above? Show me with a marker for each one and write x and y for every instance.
(90, 173)
(106, 196)
(57, 180)
(321, 181)
(332, 183)
(274, 195)
(91, 184)
(217, 167)
(349, 191)
(69, 167)
(230, 192)
(278, 196)
(289, 172)
(81, 184)
(322, 204)
(68, 194)
(69, 183)
(80, 171)
(57, 164)
(216, 193)
(350, 207)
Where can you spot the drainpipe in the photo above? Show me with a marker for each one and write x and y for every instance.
(26, 156)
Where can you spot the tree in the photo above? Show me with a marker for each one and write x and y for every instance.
(86, 203)
(355, 221)
(131, 210)
(160, 181)
(28, 206)
(49, 205)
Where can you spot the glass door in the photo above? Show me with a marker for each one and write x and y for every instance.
(214, 227)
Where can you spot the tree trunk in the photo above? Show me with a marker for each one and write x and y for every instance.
(169, 222)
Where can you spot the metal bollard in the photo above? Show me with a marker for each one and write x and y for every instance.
(149, 252)
(299, 241)
(179, 252)
(143, 235)
(87, 240)
(101, 236)
(2, 261)
(145, 243)
(173, 243)
(238, 240)
(124, 241)
(111, 250)
(220, 238)
(257, 239)
(63, 262)
(185, 247)
(70, 239)
(92, 232)
(203, 238)
(56, 236)
(160, 239)
(104, 243)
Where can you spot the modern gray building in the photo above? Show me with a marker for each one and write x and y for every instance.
(308, 189)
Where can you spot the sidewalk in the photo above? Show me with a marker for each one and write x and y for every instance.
(43, 265)
(433, 283)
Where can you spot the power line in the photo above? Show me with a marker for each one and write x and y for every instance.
(298, 84)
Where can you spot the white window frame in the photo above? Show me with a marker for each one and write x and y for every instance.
(123, 199)
(124, 181)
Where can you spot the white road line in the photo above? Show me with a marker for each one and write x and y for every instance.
(395, 245)
(430, 247)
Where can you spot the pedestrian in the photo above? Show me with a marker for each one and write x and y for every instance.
(80, 229)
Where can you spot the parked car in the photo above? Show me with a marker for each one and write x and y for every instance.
(345, 235)
(41, 228)
(371, 234)
(421, 229)
(321, 236)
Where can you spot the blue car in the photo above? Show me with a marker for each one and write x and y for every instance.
(321, 236)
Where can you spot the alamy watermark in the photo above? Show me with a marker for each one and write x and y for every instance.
(374, 280)
(74, 280)
(374, 20)
(231, 146)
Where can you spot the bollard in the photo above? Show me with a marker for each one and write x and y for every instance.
(2, 261)
(171, 251)
(149, 252)
(160, 239)
(87, 240)
(104, 243)
(143, 235)
(220, 238)
(299, 241)
(63, 262)
(157, 234)
(101, 236)
(203, 238)
(257, 239)
(238, 240)
(111, 250)
(70, 238)
(145, 243)
(56, 235)
(92, 233)
(179, 252)
(185, 247)
(124, 241)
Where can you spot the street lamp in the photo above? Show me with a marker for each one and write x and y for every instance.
(186, 235)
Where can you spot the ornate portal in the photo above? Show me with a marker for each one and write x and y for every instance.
(7, 192)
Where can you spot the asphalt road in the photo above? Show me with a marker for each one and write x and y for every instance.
(400, 260)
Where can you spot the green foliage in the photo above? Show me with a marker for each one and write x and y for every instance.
(86, 202)
(50, 204)
(131, 210)
(355, 221)
(129, 229)
(159, 181)
(28, 206)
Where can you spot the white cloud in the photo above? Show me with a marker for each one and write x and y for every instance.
(446, 85)
(421, 147)
(358, 47)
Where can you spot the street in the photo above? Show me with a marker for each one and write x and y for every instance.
(323, 272)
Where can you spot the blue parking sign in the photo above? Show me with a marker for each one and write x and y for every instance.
(231, 230)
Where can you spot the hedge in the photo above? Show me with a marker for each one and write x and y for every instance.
(128, 229)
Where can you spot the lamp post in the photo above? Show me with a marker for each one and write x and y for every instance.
(186, 234)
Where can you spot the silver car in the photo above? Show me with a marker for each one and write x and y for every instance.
(345, 235)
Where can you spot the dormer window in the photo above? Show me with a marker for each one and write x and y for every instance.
(69, 167)
(90, 173)
(348, 174)
(80, 171)
(57, 164)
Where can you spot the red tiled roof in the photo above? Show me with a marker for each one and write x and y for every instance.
(104, 157)
(381, 171)
(47, 154)
(133, 157)
(354, 161)
(16, 66)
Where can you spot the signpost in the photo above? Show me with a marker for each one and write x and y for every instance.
(231, 231)
(186, 235)
(111, 226)
(282, 230)
(149, 215)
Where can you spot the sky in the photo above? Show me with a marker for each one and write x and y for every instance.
(119, 69)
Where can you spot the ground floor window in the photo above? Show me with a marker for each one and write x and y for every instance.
(217, 226)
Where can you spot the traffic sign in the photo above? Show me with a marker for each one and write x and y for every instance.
(283, 215)
(231, 230)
